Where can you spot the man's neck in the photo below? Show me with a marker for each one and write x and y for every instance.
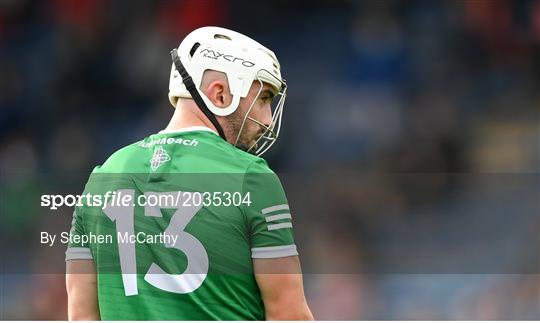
(187, 116)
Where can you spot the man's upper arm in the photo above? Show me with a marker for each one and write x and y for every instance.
(269, 216)
(282, 290)
(275, 258)
(81, 285)
(81, 277)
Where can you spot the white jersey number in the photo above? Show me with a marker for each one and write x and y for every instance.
(197, 257)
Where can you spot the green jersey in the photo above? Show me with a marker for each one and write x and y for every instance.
(172, 223)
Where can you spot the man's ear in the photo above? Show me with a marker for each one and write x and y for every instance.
(218, 92)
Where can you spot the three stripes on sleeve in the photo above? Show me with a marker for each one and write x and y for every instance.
(277, 217)
(276, 213)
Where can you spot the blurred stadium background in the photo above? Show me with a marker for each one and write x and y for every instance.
(410, 148)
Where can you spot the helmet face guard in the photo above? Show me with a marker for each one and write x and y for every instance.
(271, 131)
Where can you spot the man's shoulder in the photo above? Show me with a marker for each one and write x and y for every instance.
(122, 160)
(245, 161)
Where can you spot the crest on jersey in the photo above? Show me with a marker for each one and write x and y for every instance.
(159, 158)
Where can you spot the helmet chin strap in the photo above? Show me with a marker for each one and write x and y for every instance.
(190, 86)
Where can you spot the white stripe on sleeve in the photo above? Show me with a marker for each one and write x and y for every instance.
(78, 253)
(275, 208)
(278, 217)
(274, 252)
(279, 226)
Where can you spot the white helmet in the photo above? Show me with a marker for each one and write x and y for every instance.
(242, 59)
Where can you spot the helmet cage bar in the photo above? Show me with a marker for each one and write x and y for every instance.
(274, 129)
(271, 132)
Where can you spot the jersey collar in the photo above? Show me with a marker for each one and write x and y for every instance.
(187, 129)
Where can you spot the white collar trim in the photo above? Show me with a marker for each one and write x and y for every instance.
(187, 129)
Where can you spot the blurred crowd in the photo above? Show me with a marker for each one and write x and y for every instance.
(410, 149)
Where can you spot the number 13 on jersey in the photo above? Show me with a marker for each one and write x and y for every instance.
(197, 257)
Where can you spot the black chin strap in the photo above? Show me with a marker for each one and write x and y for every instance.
(190, 86)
